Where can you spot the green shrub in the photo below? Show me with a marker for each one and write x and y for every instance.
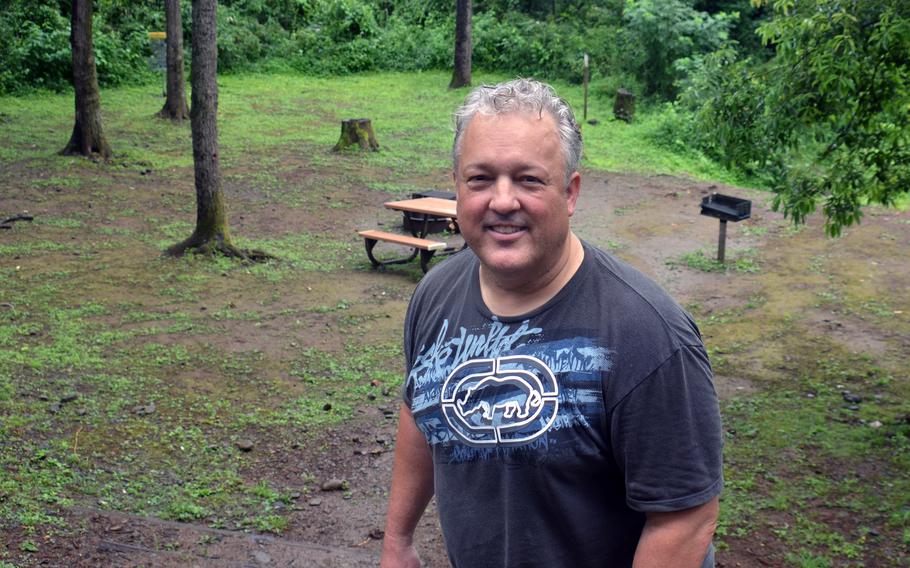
(239, 43)
(541, 39)
(121, 58)
(407, 47)
(675, 129)
(346, 20)
(725, 103)
(35, 49)
(661, 35)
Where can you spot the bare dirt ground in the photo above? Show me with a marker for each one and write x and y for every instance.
(649, 221)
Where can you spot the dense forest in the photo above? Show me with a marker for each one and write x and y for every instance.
(809, 95)
(645, 45)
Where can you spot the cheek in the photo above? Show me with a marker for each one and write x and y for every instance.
(470, 206)
(542, 210)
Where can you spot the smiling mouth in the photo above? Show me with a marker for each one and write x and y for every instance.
(505, 229)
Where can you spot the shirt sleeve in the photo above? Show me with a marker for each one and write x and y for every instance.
(667, 436)
(407, 388)
(415, 312)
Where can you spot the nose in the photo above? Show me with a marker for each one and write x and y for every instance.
(504, 199)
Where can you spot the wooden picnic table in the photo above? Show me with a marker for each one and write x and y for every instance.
(427, 207)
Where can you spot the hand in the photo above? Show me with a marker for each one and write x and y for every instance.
(397, 554)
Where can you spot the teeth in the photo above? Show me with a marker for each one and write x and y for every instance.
(506, 230)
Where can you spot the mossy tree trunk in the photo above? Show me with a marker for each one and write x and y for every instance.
(211, 234)
(175, 107)
(461, 75)
(357, 131)
(88, 136)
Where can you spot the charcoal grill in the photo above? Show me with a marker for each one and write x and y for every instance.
(726, 208)
(415, 221)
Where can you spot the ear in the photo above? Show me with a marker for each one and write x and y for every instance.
(573, 189)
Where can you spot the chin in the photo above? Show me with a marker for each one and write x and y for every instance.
(505, 264)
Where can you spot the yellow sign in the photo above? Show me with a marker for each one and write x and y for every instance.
(157, 35)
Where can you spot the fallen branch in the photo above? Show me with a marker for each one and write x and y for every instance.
(5, 224)
(76, 441)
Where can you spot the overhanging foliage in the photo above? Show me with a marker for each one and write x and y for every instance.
(827, 118)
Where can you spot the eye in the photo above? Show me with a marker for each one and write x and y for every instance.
(530, 180)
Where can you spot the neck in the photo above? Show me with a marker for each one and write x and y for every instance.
(519, 294)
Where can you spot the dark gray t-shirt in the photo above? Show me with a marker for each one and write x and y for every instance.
(553, 433)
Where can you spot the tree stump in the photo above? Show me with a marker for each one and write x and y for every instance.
(357, 131)
(624, 106)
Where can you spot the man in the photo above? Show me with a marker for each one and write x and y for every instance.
(558, 403)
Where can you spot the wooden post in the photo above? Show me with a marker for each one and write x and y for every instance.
(722, 241)
(586, 79)
(357, 131)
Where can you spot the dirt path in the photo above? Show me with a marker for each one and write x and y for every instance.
(117, 539)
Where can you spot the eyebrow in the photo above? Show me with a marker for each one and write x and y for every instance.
(488, 166)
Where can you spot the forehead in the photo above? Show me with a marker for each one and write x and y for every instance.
(541, 122)
(521, 131)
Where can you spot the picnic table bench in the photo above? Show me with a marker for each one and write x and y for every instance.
(425, 247)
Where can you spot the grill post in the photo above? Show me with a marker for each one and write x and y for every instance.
(722, 241)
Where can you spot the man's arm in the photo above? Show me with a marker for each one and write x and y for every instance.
(678, 539)
(412, 488)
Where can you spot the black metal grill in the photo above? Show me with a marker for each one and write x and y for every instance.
(726, 208)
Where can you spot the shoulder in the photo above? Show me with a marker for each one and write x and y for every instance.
(641, 303)
(447, 283)
(444, 288)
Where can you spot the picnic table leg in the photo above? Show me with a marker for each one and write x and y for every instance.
(420, 228)
(370, 243)
(425, 257)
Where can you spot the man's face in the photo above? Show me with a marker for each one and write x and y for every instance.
(513, 201)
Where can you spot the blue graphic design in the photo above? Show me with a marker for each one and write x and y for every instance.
(504, 386)
(508, 401)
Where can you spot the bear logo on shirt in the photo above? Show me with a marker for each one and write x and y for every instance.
(505, 401)
(511, 396)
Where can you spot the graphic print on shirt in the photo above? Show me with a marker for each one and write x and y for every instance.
(505, 401)
(520, 388)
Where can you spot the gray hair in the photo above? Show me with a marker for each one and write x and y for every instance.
(526, 95)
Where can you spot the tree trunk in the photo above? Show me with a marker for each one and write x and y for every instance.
(175, 105)
(211, 234)
(88, 136)
(357, 131)
(461, 75)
